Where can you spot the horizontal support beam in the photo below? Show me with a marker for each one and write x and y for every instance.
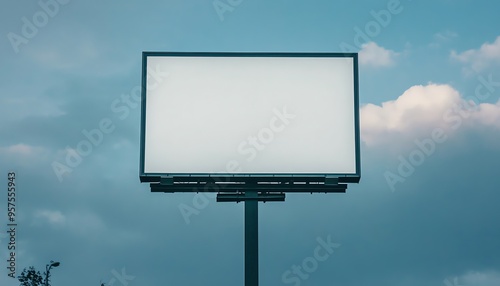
(240, 197)
(262, 187)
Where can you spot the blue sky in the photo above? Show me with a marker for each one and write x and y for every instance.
(424, 213)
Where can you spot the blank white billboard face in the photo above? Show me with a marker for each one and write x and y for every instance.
(250, 115)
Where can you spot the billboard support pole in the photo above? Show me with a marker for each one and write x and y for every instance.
(251, 238)
(251, 198)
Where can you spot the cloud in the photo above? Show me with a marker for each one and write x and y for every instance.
(21, 105)
(22, 149)
(442, 37)
(80, 223)
(486, 278)
(479, 59)
(445, 36)
(52, 217)
(85, 223)
(488, 114)
(422, 109)
(22, 155)
(374, 55)
(84, 54)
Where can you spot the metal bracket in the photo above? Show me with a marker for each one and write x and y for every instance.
(168, 181)
(331, 181)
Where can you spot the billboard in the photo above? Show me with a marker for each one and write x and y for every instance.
(256, 115)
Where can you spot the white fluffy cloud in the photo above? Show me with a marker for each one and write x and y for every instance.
(374, 55)
(422, 109)
(479, 59)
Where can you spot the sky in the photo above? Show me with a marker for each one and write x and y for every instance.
(424, 213)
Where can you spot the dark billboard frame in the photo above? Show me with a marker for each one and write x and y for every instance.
(207, 178)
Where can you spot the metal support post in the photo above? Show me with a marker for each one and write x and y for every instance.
(251, 238)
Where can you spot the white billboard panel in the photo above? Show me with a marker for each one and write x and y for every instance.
(250, 114)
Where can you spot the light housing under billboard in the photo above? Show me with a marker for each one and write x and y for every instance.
(263, 116)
